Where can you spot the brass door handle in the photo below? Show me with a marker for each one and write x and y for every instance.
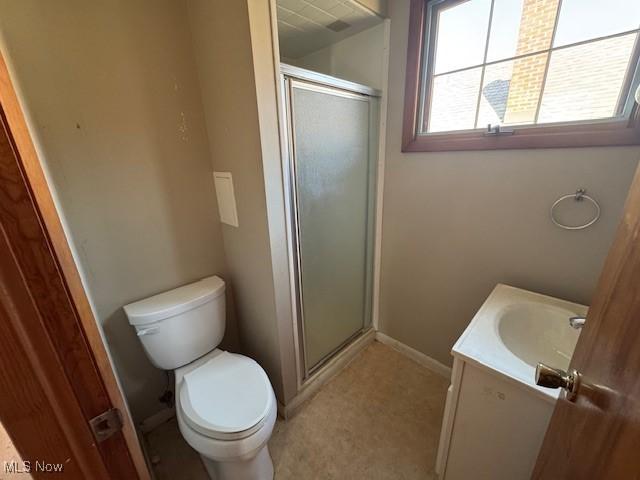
(555, 378)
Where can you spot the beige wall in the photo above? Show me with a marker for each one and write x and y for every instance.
(222, 40)
(113, 93)
(457, 223)
(358, 58)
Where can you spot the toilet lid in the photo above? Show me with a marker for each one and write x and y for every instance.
(227, 397)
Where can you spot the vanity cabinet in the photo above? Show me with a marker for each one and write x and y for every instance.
(495, 416)
(492, 428)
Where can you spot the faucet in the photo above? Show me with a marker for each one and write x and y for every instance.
(577, 322)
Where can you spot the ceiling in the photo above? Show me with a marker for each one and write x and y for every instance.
(305, 26)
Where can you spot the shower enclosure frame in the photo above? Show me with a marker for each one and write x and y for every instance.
(291, 76)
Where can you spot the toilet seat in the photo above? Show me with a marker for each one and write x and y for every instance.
(227, 398)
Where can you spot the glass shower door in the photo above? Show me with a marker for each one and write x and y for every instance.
(333, 178)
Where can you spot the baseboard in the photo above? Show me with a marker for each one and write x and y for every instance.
(326, 373)
(419, 357)
(157, 419)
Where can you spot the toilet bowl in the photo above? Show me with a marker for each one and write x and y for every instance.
(231, 438)
(225, 405)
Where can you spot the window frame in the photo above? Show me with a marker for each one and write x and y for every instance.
(625, 131)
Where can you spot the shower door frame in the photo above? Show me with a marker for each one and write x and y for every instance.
(289, 77)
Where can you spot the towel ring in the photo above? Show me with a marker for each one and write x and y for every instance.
(579, 196)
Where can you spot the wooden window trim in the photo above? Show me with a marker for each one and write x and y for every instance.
(614, 132)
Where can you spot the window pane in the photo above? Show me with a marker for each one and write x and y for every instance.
(521, 27)
(584, 82)
(462, 35)
(511, 91)
(495, 94)
(586, 19)
(505, 29)
(454, 100)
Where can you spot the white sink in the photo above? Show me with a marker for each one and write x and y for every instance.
(515, 329)
(536, 332)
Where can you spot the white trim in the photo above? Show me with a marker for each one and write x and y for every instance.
(154, 421)
(382, 142)
(334, 366)
(283, 127)
(419, 357)
(265, 54)
(448, 418)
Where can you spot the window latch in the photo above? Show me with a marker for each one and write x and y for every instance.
(496, 130)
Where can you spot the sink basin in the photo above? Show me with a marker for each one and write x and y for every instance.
(538, 333)
(514, 330)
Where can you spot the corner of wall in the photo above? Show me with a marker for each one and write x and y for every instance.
(240, 103)
(266, 64)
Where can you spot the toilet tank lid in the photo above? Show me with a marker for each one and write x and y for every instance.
(173, 302)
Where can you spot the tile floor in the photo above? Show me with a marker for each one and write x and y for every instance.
(377, 419)
(8, 454)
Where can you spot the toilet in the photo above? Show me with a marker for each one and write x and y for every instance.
(225, 405)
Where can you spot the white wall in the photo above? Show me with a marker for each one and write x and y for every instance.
(113, 93)
(457, 223)
(358, 58)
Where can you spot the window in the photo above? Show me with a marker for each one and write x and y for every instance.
(486, 74)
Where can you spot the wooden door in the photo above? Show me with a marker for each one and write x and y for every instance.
(55, 375)
(598, 436)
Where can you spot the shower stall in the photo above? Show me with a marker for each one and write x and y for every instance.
(330, 177)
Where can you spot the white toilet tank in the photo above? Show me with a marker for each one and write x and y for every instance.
(180, 325)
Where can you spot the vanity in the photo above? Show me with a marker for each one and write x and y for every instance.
(495, 416)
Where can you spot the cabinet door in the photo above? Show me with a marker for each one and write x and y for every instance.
(497, 431)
